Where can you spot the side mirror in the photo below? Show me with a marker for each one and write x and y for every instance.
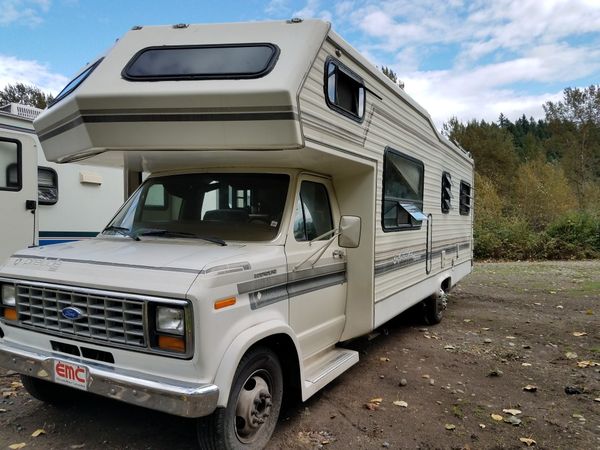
(349, 230)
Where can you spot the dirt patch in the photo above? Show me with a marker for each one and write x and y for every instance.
(508, 326)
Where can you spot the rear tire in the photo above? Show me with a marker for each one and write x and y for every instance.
(250, 417)
(48, 392)
(434, 307)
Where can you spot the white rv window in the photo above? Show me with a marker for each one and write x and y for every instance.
(446, 192)
(313, 212)
(47, 186)
(465, 198)
(183, 62)
(402, 192)
(10, 165)
(344, 90)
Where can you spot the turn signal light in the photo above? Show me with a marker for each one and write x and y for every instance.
(171, 343)
(230, 301)
(10, 314)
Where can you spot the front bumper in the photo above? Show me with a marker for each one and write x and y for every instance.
(138, 388)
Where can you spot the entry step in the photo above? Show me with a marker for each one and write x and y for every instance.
(323, 368)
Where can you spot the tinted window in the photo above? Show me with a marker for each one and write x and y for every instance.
(193, 62)
(446, 192)
(402, 191)
(229, 206)
(10, 165)
(313, 212)
(75, 82)
(465, 198)
(344, 90)
(47, 186)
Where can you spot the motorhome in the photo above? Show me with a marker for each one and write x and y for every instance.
(43, 202)
(297, 199)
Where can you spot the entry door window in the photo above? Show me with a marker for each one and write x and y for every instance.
(313, 212)
(10, 165)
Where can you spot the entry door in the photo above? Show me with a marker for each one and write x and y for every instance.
(317, 287)
(18, 183)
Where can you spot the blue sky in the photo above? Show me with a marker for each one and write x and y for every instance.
(470, 59)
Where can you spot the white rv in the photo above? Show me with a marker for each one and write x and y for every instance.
(43, 202)
(297, 199)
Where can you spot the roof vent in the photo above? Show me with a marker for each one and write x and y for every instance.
(180, 25)
(136, 28)
(295, 20)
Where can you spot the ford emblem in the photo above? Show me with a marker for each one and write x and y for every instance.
(72, 313)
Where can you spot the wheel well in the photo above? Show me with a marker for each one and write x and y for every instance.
(284, 348)
(447, 285)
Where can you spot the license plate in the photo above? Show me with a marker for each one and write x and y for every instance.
(70, 374)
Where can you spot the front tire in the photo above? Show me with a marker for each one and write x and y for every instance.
(250, 417)
(48, 392)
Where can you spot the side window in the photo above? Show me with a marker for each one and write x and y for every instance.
(465, 198)
(47, 186)
(402, 206)
(344, 90)
(160, 205)
(446, 192)
(10, 165)
(313, 212)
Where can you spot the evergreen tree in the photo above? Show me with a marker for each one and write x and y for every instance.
(26, 95)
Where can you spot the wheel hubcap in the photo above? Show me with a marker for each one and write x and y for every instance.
(253, 408)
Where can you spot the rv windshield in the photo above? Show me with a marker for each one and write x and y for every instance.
(210, 206)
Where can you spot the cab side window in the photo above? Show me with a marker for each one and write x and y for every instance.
(10, 165)
(313, 212)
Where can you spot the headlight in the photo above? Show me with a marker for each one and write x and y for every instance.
(9, 295)
(170, 320)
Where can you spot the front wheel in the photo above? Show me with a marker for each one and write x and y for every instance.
(48, 392)
(249, 419)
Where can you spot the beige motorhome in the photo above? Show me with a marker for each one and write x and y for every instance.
(297, 199)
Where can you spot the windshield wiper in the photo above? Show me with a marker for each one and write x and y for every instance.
(183, 235)
(121, 230)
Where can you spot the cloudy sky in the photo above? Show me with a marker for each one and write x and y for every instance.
(470, 59)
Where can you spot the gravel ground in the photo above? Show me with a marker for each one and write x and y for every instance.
(456, 385)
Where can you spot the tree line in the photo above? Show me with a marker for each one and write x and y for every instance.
(537, 182)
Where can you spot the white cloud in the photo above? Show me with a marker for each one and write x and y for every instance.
(277, 8)
(24, 12)
(312, 10)
(14, 70)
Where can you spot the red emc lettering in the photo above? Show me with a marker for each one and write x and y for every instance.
(70, 373)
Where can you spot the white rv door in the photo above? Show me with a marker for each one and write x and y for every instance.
(317, 287)
(18, 190)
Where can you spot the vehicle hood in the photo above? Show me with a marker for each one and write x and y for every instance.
(151, 266)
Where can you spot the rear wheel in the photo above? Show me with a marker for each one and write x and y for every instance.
(48, 392)
(254, 403)
(434, 307)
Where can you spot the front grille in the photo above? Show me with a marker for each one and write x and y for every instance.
(112, 319)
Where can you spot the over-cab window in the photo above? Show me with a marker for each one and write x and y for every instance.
(10, 165)
(344, 90)
(313, 212)
(47, 186)
(75, 82)
(402, 192)
(190, 62)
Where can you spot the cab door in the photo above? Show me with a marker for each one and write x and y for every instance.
(18, 185)
(316, 267)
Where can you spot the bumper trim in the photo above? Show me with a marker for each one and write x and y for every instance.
(138, 388)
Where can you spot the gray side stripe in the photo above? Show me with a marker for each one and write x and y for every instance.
(393, 264)
(112, 264)
(266, 291)
(178, 117)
